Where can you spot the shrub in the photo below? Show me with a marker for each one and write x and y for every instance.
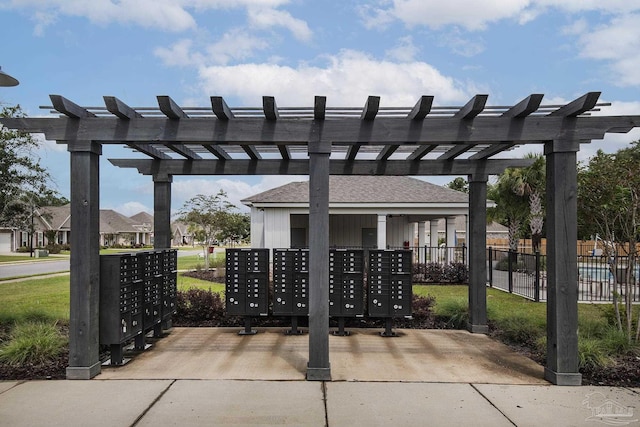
(616, 342)
(32, 343)
(591, 354)
(54, 248)
(520, 329)
(422, 308)
(454, 312)
(455, 272)
(198, 305)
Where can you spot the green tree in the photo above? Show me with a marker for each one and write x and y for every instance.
(530, 182)
(234, 227)
(609, 206)
(205, 217)
(511, 209)
(459, 184)
(24, 184)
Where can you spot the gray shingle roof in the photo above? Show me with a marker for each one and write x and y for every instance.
(365, 189)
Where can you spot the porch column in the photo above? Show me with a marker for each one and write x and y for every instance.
(562, 269)
(422, 241)
(451, 237)
(162, 211)
(477, 254)
(382, 231)
(433, 239)
(84, 339)
(319, 368)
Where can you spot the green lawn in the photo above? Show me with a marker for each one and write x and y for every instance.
(14, 258)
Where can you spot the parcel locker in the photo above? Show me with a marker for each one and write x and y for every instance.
(291, 282)
(247, 282)
(390, 289)
(120, 302)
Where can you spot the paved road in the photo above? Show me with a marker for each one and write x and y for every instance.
(31, 268)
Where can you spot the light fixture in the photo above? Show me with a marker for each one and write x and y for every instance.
(7, 80)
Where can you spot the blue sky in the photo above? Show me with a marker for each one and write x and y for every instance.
(295, 49)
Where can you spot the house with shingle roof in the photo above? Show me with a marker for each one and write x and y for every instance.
(115, 228)
(365, 211)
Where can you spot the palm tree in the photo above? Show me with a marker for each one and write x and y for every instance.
(511, 208)
(530, 181)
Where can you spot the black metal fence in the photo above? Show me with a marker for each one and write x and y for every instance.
(526, 275)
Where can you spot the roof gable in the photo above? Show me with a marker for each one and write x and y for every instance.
(364, 189)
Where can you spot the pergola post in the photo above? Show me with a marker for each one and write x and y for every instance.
(319, 368)
(162, 211)
(477, 254)
(84, 346)
(562, 270)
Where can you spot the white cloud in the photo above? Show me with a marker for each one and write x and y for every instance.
(268, 18)
(346, 79)
(476, 15)
(179, 54)
(618, 43)
(236, 44)
(404, 51)
(184, 188)
(471, 14)
(167, 15)
(130, 208)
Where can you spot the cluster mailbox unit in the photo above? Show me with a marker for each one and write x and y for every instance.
(390, 292)
(137, 294)
(291, 285)
(346, 281)
(247, 284)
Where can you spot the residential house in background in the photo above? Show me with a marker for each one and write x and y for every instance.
(180, 235)
(115, 228)
(365, 211)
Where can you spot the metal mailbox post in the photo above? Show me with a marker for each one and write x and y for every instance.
(390, 292)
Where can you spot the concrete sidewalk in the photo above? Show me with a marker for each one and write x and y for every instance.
(302, 403)
(212, 376)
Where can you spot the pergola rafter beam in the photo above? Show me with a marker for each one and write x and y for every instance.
(170, 108)
(120, 109)
(491, 150)
(270, 108)
(217, 151)
(525, 107)
(149, 150)
(422, 108)
(183, 150)
(221, 109)
(387, 131)
(319, 107)
(420, 152)
(455, 151)
(251, 152)
(472, 108)
(68, 108)
(371, 108)
(386, 152)
(581, 105)
(301, 167)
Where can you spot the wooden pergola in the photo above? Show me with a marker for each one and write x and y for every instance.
(319, 141)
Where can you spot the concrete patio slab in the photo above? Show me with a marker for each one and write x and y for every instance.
(6, 385)
(415, 355)
(409, 404)
(567, 406)
(239, 403)
(78, 403)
